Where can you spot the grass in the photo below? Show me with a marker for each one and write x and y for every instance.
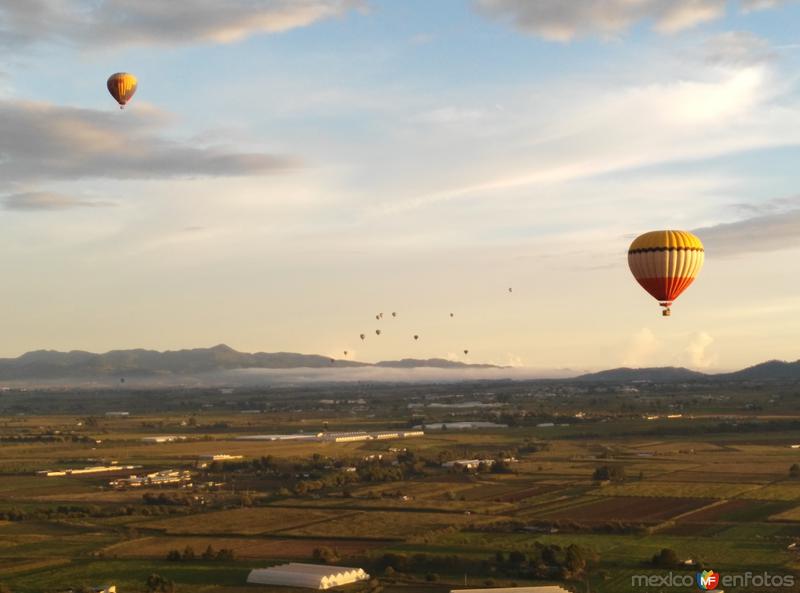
(680, 490)
(249, 521)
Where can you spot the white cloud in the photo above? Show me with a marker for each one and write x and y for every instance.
(44, 141)
(109, 23)
(771, 232)
(752, 5)
(643, 349)
(43, 201)
(737, 48)
(558, 20)
(563, 20)
(697, 351)
(698, 113)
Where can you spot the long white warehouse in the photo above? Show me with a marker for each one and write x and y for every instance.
(310, 576)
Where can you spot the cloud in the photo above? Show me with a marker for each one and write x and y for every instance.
(109, 23)
(41, 200)
(560, 20)
(557, 20)
(753, 5)
(737, 48)
(704, 112)
(43, 141)
(771, 232)
(697, 351)
(643, 346)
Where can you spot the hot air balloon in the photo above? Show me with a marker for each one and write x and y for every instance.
(378, 317)
(665, 263)
(451, 314)
(416, 337)
(394, 314)
(345, 352)
(378, 332)
(466, 352)
(363, 337)
(510, 290)
(381, 315)
(122, 86)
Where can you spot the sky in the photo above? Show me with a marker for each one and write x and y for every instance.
(288, 169)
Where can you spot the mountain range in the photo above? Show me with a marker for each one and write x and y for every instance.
(51, 365)
(773, 370)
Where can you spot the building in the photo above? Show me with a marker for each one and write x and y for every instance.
(545, 589)
(459, 425)
(468, 463)
(169, 438)
(94, 469)
(168, 477)
(310, 576)
(220, 457)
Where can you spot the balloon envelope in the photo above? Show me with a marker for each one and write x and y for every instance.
(665, 263)
(122, 86)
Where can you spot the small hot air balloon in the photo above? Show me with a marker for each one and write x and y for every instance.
(378, 332)
(665, 263)
(510, 289)
(466, 352)
(345, 352)
(394, 314)
(451, 314)
(122, 379)
(381, 315)
(416, 337)
(122, 86)
(363, 337)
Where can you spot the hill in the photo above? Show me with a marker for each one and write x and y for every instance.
(773, 370)
(654, 375)
(51, 364)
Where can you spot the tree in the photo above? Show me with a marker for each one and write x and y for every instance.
(666, 558)
(157, 584)
(794, 471)
(209, 554)
(188, 553)
(614, 473)
(574, 562)
(225, 554)
(326, 555)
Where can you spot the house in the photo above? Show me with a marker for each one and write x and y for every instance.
(309, 576)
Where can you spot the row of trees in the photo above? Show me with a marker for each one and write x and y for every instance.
(545, 561)
(188, 554)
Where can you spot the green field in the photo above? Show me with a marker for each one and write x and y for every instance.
(725, 498)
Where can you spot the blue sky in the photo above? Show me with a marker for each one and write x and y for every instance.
(288, 169)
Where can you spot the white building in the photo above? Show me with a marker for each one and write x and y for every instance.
(309, 576)
(545, 589)
(168, 438)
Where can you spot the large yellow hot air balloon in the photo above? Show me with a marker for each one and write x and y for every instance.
(665, 263)
(122, 86)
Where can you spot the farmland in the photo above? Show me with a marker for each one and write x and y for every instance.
(587, 501)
